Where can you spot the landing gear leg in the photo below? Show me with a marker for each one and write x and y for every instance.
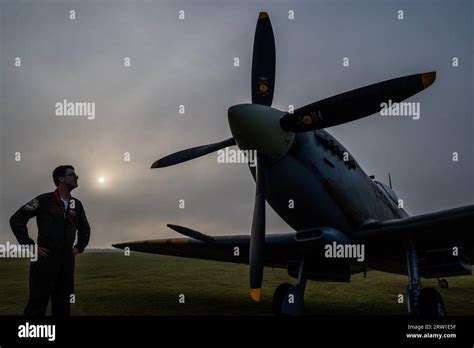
(425, 302)
(293, 301)
(414, 285)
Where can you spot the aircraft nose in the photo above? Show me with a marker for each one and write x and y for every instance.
(257, 127)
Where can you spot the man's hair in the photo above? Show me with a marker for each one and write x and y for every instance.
(60, 171)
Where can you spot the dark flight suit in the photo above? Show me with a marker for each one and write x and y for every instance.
(53, 275)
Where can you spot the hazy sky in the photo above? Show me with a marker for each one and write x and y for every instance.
(190, 62)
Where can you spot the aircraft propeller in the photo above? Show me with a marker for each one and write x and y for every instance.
(275, 129)
(355, 104)
(263, 82)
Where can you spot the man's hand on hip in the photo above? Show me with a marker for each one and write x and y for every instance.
(43, 252)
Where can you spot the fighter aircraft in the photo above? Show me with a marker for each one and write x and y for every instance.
(318, 188)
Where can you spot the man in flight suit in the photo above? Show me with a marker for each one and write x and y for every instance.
(58, 217)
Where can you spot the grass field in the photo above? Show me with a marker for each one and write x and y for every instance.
(144, 284)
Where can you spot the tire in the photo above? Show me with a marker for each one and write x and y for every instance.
(279, 297)
(431, 303)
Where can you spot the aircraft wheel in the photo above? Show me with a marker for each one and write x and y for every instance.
(279, 297)
(431, 303)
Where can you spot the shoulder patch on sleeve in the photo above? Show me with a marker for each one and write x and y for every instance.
(32, 205)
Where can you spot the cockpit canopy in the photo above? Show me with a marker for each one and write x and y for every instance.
(387, 191)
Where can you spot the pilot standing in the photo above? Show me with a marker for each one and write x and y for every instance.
(58, 217)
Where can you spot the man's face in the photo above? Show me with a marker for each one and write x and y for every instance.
(69, 179)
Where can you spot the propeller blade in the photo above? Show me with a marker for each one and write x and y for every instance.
(257, 238)
(189, 154)
(263, 62)
(355, 104)
(192, 233)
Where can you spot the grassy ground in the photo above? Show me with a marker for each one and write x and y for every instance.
(144, 284)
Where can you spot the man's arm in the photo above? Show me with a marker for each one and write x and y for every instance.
(19, 220)
(83, 231)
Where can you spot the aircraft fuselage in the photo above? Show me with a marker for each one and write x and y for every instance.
(311, 180)
(318, 183)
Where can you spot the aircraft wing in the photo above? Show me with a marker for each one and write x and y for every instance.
(447, 227)
(279, 248)
(443, 230)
